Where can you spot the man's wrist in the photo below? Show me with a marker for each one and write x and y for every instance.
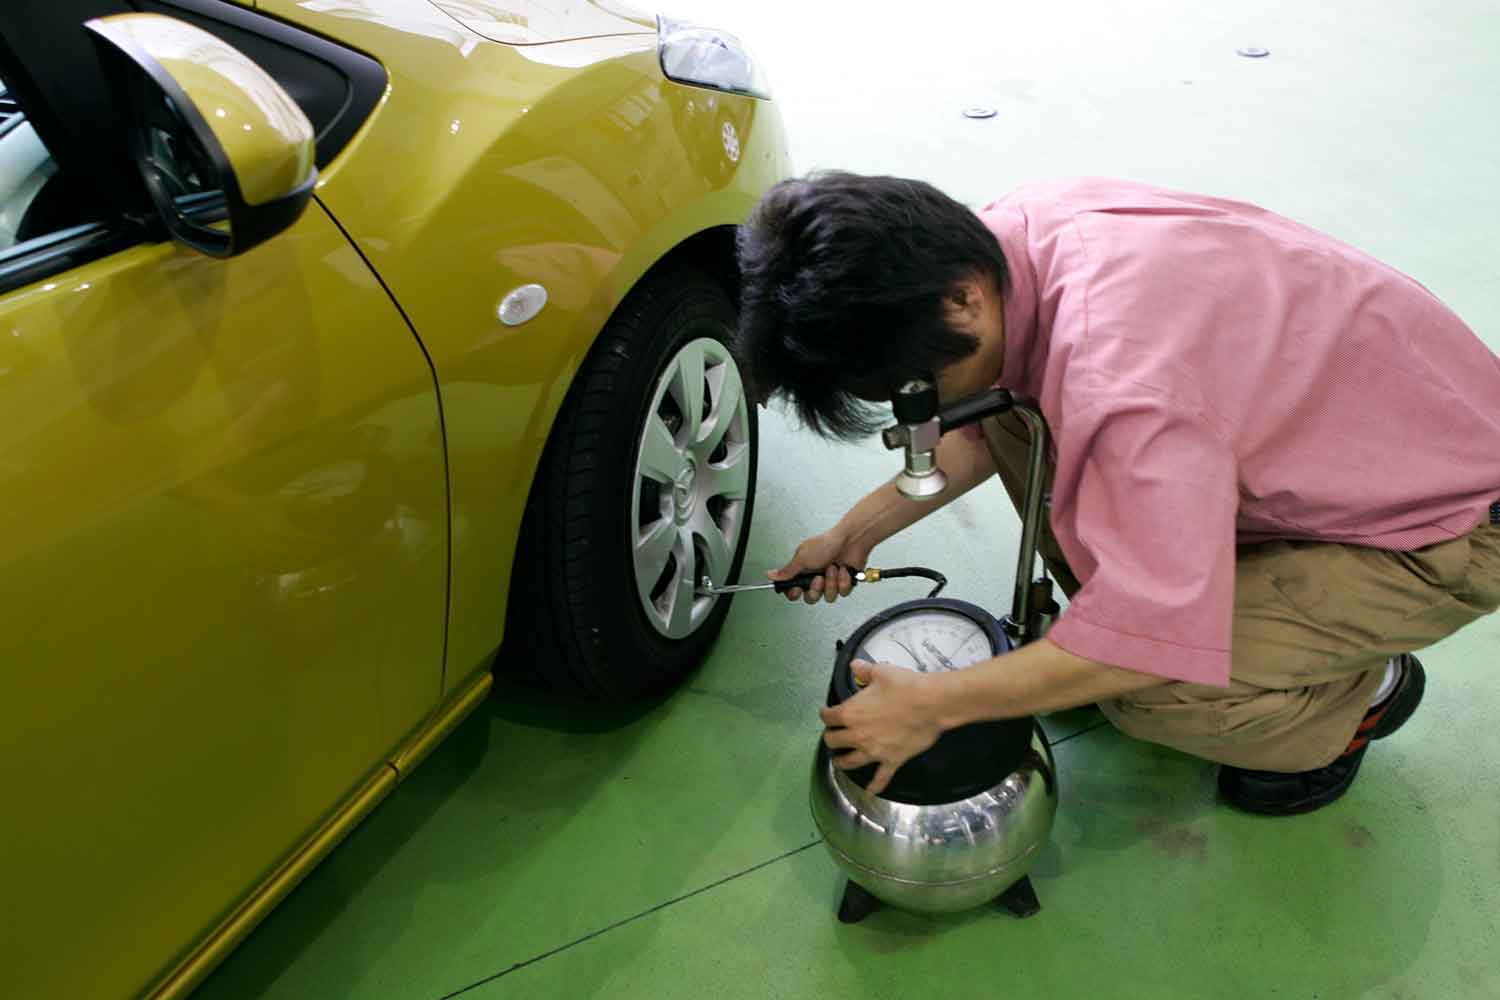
(947, 701)
(852, 535)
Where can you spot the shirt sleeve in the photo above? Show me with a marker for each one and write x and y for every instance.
(1144, 507)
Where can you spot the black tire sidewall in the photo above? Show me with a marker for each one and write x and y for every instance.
(628, 654)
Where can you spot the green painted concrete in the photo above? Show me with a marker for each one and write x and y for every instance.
(666, 850)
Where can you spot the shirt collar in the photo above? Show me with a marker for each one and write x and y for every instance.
(1020, 306)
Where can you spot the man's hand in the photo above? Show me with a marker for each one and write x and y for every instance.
(830, 555)
(892, 720)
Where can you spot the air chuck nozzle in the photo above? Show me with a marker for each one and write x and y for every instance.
(915, 406)
(922, 487)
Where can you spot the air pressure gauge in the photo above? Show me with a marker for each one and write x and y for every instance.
(929, 636)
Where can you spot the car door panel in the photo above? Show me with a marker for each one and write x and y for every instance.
(223, 568)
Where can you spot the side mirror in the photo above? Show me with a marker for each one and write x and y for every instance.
(214, 136)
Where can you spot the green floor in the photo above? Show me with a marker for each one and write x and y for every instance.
(667, 850)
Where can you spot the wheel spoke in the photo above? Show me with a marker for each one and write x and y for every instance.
(730, 478)
(717, 553)
(684, 587)
(724, 380)
(660, 460)
(651, 552)
(687, 389)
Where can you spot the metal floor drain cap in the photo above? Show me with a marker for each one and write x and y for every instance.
(1253, 52)
(979, 111)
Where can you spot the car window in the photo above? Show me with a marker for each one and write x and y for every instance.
(25, 169)
(36, 201)
(50, 220)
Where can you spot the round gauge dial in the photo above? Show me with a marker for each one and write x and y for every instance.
(927, 641)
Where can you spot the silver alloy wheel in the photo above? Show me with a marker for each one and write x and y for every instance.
(692, 475)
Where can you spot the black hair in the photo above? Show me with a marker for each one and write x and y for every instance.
(843, 279)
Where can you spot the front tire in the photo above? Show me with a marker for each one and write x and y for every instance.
(646, 487)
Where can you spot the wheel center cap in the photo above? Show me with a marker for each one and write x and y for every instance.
(682, 490)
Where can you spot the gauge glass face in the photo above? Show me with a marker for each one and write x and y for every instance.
(927, 642)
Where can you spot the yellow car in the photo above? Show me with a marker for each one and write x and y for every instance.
(342, 342)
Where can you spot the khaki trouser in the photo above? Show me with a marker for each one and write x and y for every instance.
(1314, 623)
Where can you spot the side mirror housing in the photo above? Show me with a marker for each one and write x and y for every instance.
(215, 137)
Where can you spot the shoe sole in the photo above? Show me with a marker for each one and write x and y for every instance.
(1296, 807)
(1404, 700)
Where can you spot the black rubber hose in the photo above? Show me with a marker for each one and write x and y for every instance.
(937, 578)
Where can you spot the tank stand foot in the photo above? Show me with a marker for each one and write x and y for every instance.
(1020, 899)
(856, 904)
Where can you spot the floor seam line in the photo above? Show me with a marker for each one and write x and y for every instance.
(1082, 732)
(631, 919)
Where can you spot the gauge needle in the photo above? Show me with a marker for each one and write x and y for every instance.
(914, 657)
(949, 658)
(945, 661)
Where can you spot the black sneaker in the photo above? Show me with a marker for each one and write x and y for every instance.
(1274, 793)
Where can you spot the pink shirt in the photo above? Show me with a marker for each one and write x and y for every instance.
(1214, 374)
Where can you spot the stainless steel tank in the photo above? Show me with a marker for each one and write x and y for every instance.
(938, 857)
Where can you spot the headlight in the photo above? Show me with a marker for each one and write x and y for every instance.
(705, 57)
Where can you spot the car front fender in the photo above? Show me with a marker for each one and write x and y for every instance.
(573, 165)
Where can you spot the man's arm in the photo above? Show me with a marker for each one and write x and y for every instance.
(882, 513)
(1037, 678)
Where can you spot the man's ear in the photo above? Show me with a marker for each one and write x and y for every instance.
(966, 298)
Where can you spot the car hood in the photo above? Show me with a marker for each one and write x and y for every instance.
(532, 22)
